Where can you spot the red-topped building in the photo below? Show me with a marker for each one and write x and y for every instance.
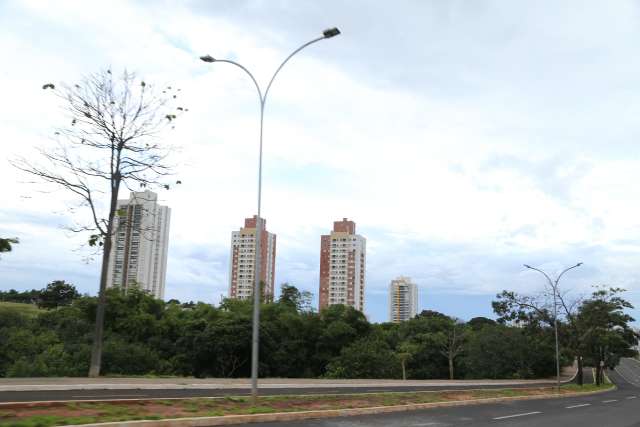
(342, 266)
(243, 260)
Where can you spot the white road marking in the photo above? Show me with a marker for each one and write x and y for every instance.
(632, 397)
(517, 415)
(609, 401)
(578, 406)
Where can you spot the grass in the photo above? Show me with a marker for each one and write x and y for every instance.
(30, 310)
(586, 388)
(55, 414)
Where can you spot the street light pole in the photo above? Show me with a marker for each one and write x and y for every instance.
(554, 287)
(255, 338)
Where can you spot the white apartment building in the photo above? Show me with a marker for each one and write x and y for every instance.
(342, 266)
(140, 244)
(243, 260)
(403, 299)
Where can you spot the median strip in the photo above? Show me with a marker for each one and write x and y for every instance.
(232, 410)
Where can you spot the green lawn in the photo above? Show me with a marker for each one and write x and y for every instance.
(27, 309)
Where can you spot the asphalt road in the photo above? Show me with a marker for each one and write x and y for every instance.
(132, 393)
(619, 408)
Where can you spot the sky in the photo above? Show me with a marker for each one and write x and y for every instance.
(463, 138)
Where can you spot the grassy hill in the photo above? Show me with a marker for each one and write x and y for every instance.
(28, 309)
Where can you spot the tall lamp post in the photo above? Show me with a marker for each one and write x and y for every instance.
(327, 34)
(554, 287)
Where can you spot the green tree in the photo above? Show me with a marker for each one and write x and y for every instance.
(368, 357)
(536, 311)
(290, 295)
(427, 333)
(338, 326)
(500, 351)
(24, 297)
(405, 352)
(57, 293)
(608, 335)
(478, 323)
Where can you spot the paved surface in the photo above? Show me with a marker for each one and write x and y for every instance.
(619, 408)
(46, 389)
(16, 384)
(130, 393)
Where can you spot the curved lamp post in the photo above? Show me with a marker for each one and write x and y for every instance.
(327, 34)
(554, 287)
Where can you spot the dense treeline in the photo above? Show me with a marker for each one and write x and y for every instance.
(148, 336)
(57, 293)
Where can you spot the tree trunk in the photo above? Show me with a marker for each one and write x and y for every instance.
(404, 373)
(579, 376)
(598, 374)
(96, 349)
(450, 367)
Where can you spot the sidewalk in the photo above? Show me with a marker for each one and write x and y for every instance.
(106, 383)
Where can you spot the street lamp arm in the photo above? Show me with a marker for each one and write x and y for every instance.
(565, 270)
(545, 275)
(554, 288)
(243, 68)
(266, 92)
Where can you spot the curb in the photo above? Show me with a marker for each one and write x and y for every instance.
(330, 413)
(266, 386)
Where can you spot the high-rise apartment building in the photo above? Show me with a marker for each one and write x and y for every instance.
(403, 299)
(140, 243)
(243, 260)
(342, 266)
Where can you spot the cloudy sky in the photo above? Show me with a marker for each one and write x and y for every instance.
(465, 138)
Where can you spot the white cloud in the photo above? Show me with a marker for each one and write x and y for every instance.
(462, 140)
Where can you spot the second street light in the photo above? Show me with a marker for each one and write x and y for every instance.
(327, 34)
(554, 288)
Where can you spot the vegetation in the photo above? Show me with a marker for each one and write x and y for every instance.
(110, 141)
(596, 331)
(53, 414)
(29, 310)
(145, 336)
(57, 293)
(6, 244)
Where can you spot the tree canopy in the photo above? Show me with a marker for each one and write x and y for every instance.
(146, 336)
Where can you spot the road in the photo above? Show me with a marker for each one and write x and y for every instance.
(67, 389)
(265, 390)
(619, 408)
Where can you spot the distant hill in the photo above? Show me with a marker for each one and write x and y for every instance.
(27, 309)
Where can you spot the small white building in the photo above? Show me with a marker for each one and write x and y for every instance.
(403, 299)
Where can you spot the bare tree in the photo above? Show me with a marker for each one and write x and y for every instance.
(111, 141)
(452, 343)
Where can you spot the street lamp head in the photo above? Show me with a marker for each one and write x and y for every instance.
(208, 58)
(528, 266)
(331, 32)
(579, 264)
